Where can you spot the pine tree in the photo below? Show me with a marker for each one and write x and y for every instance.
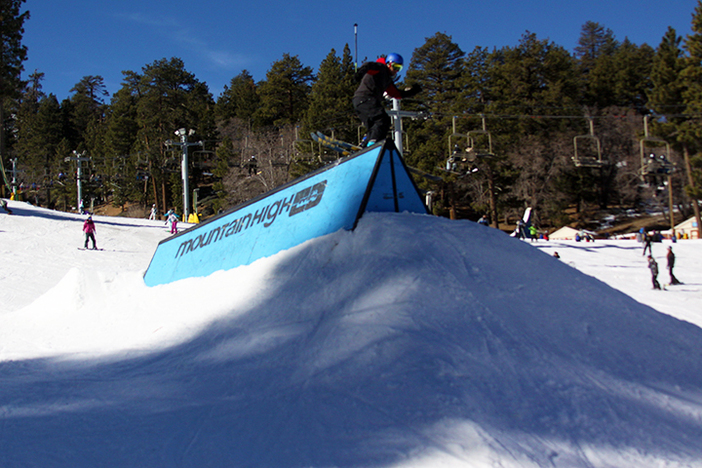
(535, 78)
(330, 109)
(690, 131)
(437, 66)
(285, 92)
(595, 41)
(14, 53)
(239, 100)
(87, 109)
(167, 97)
(665, 94)
(39, 130)
(121, 130)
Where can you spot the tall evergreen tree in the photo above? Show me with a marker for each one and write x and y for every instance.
(239, 100)
(121, 129)
(535, 77)
(39, 131)
(437, 66)
(690, 131)
(665, 95)
(595, 41)
(285, 92)
(632, 75)
(87, 108)
(167, 97)
(330, 108)
(13, 55)
(595, 56)
(475, 82)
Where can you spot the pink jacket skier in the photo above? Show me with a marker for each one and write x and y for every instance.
(89, 230)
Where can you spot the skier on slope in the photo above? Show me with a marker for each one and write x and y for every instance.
(647, 239)
(172, 218)
(653, 266)
(670, 257)
(376, 78)
(89, 230)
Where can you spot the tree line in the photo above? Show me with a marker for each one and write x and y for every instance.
(526, 125)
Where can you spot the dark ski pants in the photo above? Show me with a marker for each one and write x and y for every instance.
(654, 280)
(373, 115)
(90, 236)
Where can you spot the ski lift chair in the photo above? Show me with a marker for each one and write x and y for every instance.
(587, 150)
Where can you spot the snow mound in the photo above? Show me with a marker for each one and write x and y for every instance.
(412, 341)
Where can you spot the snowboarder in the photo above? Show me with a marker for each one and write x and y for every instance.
(173, 219)
(671, 263)
(89, 230)
(152, 215)
(376, 78)
(653, 266)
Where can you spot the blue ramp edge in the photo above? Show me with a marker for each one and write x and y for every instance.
(322, 202)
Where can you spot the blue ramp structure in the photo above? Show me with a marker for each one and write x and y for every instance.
(324, 201)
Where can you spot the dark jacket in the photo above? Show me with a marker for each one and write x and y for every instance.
(375, 80)
(653, 266)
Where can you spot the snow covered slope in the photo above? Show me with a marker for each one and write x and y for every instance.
(412, 341)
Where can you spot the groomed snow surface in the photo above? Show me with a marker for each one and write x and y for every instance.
(414, 341)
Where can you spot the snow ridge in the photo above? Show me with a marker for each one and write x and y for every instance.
(412, 341)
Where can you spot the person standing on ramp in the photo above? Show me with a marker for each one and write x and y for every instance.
(376, 79)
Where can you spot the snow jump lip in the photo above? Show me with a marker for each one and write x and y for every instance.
(324, 201)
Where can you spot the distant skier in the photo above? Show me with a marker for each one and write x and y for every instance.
(152, 215)
(653, 266)
(483, 221)
(670, 257)
(173, 220)
(521, 229)
(253, 166)
(647, 239)
(533, 233)
(376, 78)
(89, 230)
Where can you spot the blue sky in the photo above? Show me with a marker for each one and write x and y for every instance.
(70, 39)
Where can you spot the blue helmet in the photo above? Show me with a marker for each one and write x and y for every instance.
(394, 58)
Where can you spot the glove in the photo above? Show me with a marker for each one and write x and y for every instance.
(413, 91)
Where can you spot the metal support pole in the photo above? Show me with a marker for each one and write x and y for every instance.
(78, 182)
(670, 206)
(397, 116)
(183, 134)
(185, 177)
(398, 125)
(355, 40)
(14, 175)
(78, 158)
